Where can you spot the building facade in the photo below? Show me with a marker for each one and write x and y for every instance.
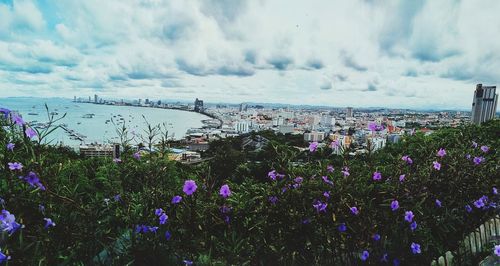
(484, 104)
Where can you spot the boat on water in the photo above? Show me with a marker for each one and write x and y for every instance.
(78, 123)
(54, 113)
(88, 116)
(32, 113)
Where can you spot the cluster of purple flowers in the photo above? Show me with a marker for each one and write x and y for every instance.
(326, 180)
(345, 171)
(481, 202)
(478, 160)
(273, 199)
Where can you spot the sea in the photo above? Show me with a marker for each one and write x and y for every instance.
(94, 122)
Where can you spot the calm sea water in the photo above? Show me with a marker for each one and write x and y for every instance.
(96, 129)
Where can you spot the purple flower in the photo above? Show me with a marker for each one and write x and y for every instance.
(8, 222)
(33, 180)
(15, 166)
(30, 132)
(225, 191)
(117, 197)
(345, 172)
(342, 227)
(159, 211)
(187, 262)
(3, 257)
(313, 146)
(436, 165)
(481, 202)
(117, 160)
(441, 152)
(18, 120)
(334, 144)
(176, 199)
(413, 225)
(10, 146)
(402, 178)
(372, 126)
(41, 208)
(163, 218)
(298, 180)
(385, 258)
(5, 112)
(478, 160)
(376, 237)
(320, 206)
(468, 208)
(496, 250)
(415, 248)
(326, 194)
(377, 176)
(306, 221)
(168, 235)
(225, 209)
(273, 199)
(438, 203)
(137, 155)
(153, 229)
(409, 216)
(272, 175)
(485, 149)
(474, 144)
(326, 180)
(354, 210)
(189, 187)
(49, 223)
(407, 159)
(330, 169)
(495, 191)
(467, 156)
(394, 205)
(364, 255)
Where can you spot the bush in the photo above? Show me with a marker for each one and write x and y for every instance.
(105, 211)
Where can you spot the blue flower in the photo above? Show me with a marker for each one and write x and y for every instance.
(163, 218)
(394, 205)
(176, 199)
(168, 235)
(342, 227)
(189, 187)
(8, 222)
(376, 237)
(415, 248)
(49, 223)
(225, 191)
(409, 216)
(413, 225)
(354, 210)
(364, 255)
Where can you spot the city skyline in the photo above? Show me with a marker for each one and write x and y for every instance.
(418, 55)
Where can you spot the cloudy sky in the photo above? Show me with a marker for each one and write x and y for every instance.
(415, 54)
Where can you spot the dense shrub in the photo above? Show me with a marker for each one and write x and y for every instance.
(108, 211)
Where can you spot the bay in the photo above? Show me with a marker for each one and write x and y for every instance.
(99, 128)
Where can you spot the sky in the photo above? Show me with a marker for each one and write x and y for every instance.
(361, 53)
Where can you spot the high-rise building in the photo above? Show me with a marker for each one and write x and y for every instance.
(348, 112)
(243, 107)
(484, 104)
(198, 105)
(96, 98)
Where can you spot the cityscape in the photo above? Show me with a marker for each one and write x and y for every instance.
(348, 127)
(240, 132)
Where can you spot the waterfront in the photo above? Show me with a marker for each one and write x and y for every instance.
(99, 127)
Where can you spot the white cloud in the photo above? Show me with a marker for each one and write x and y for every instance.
(357, 53)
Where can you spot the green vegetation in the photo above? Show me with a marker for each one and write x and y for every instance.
(97, 204)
